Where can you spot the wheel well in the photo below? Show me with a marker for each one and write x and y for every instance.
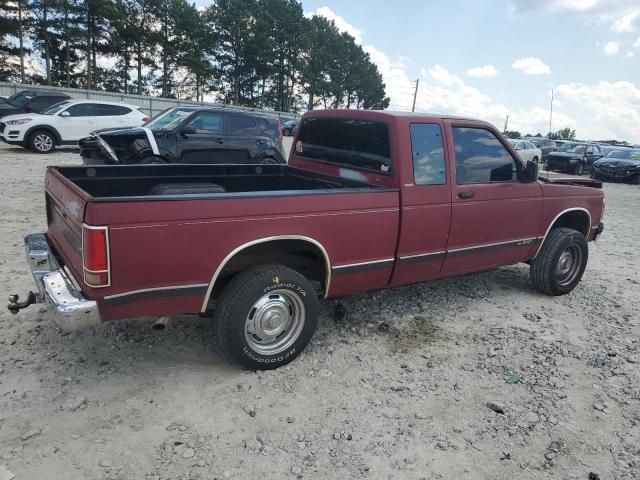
(574, 219)
(300, 255)
(46, 128)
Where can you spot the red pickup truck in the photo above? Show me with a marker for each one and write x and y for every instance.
(369, 200)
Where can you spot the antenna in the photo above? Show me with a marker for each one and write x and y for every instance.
(415, 95)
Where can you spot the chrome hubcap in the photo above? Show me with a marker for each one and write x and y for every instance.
(275, 322)
(569, 265)
(43, 142)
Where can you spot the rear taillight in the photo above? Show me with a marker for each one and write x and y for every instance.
(95, 256)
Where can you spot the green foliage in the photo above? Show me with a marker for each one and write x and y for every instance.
(563, 134)
(512, 134)
(257, 53)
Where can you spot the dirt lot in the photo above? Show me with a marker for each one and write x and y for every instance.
(397, 389)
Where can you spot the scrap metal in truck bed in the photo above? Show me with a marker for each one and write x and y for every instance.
(369, 200)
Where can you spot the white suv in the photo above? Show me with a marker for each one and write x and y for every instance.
(67, 122)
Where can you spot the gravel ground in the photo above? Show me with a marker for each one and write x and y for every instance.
(471, 378)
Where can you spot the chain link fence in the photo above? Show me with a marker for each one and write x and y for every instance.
(152, 106)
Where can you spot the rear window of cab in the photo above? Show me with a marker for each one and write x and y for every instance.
(363, 144)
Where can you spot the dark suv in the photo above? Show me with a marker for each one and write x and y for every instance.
(190, 135)
(30, 101)
(574, 157)
(545, 145)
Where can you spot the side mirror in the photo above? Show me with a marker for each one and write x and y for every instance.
(531, 172)
(65, 114)
(188, 130)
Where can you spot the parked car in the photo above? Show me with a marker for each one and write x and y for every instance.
(357, 208)
(546, 145)
(526, 150)
(574, 157)
(618, 166)
(289, 128)
(190, 135)
(67, 122)
(30, 101)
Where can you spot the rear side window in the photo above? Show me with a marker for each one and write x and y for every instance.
(357, 143)
(111, 110)
(428, 154)
(38, 104)
(241, 125)
(481, 157)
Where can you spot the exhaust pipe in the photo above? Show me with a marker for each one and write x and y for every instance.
(161, 323)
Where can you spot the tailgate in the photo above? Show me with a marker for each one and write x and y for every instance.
(65, 212)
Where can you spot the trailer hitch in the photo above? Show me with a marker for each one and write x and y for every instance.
(15, 306)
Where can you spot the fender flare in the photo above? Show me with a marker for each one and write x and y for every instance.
(555, 219)
(246, 245)
(48, 128)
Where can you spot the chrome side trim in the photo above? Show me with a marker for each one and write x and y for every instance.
(422, 255)
(554, 221)
(152, 140)
(237, 250)
(519, 242)
(155, 289)
(363, 266)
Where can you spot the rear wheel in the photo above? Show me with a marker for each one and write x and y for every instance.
(42, 141)
(578, 169)
(266, 316)
(559, 265)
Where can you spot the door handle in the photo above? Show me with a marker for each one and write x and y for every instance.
(466, 194)
(219, 140)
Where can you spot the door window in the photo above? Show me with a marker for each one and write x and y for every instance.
(82, 110)
(40, 103)
(241, 125)
(481, 157)
(428, 154)
(206, 122)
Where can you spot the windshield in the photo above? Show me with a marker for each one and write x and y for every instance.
(624, 154)
(572, 148)
(169, 119)
(52, 110)
(20, 98)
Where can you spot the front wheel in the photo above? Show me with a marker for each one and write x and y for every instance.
(266, 316)
(560, 263)
(42, 141)
(578, 169)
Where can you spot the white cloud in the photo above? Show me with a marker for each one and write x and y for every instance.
(637, 43)
(611, 48)
(340, 22)
(484, 71)
(531, 66)
(622, 15)
(627, 23)
(630, 54)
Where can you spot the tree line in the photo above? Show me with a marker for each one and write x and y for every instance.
(562, 134)
(255, 53)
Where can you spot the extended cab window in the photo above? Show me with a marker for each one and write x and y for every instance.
(357, 143)
(428, 154)
(481, 157)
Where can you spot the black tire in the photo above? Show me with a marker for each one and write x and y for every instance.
(535, 160)
(42, 141)
(546, 168)
(248, 297)
(547, 272)
(579, 169)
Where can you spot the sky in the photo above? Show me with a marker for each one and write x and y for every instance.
(492, 58)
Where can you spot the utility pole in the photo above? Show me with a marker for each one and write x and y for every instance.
(551, 113)
(415, 95)
(506, 124)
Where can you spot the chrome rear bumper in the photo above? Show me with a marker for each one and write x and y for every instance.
(68, 308)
